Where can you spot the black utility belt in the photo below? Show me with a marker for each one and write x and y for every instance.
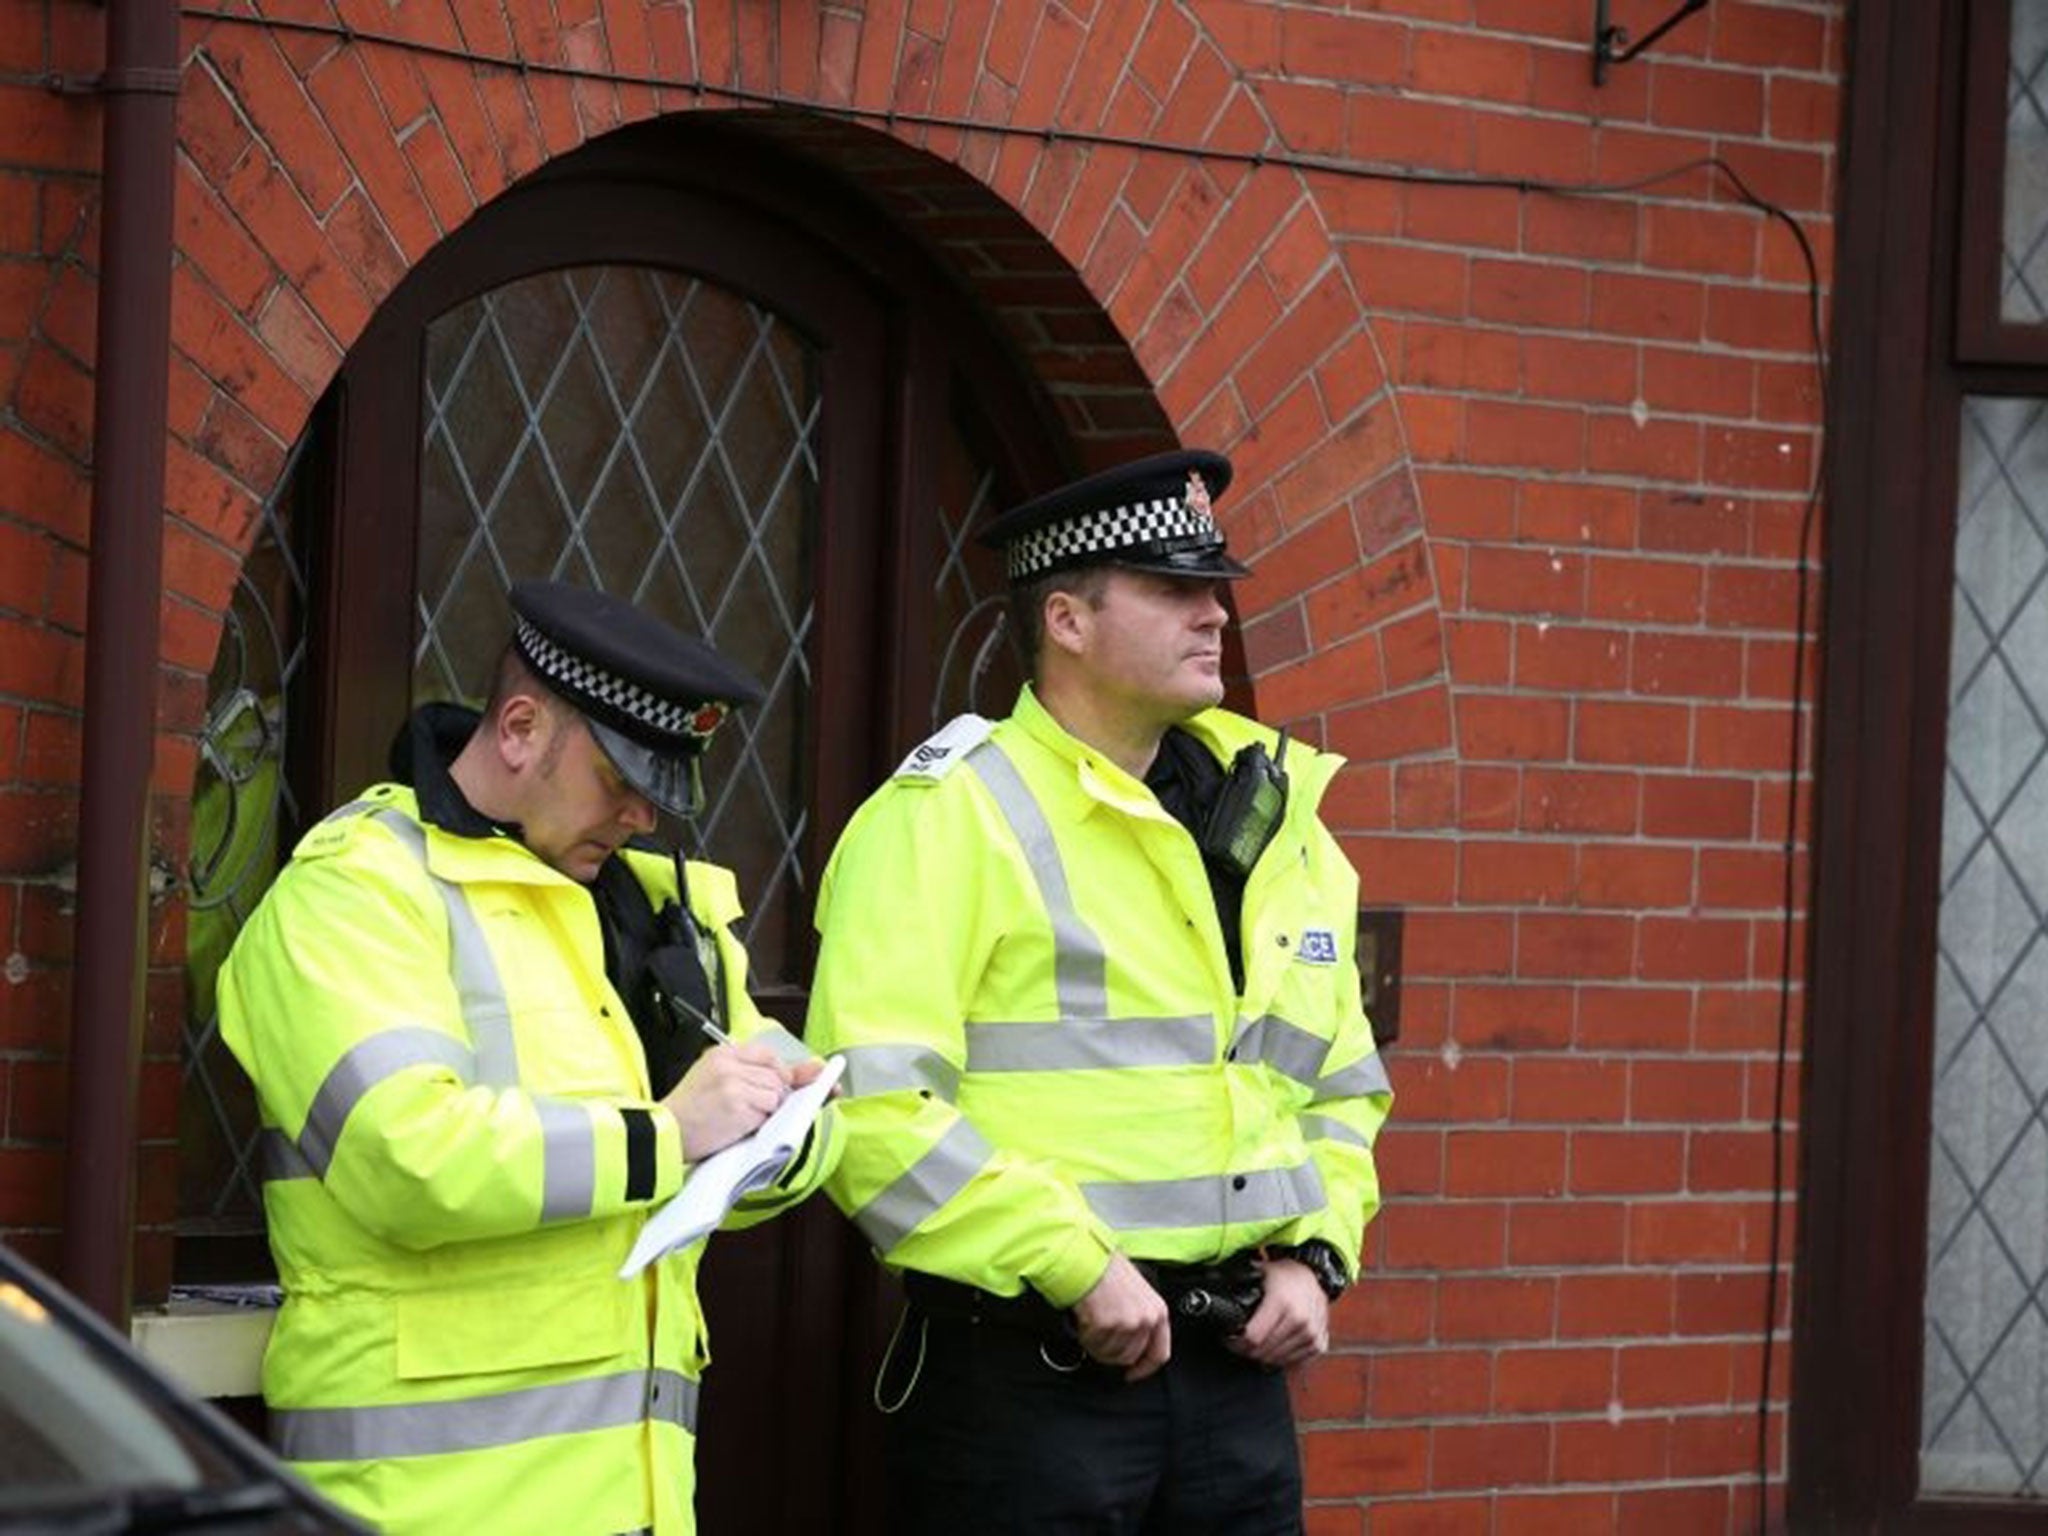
(1215, 1299)
(1027, 1312)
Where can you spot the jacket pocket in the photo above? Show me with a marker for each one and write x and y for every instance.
(473, 1333)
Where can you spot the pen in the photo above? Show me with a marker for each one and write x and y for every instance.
(704, 1020)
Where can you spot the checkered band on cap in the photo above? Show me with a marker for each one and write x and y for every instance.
(1166, 526)
(586, 684)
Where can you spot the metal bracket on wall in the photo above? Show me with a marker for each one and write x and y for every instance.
(1379, 970)
(1611, 44)
(136, 80)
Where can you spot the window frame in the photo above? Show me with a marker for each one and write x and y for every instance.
(1910, 203)
(1983, 335)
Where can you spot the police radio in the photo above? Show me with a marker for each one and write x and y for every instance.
(1248, 809)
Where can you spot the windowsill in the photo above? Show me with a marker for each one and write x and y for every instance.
(211, 1348)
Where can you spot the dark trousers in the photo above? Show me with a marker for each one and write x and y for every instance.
(995, 1441)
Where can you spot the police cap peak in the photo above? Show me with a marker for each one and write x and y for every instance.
(653, 696)
(1152, 514)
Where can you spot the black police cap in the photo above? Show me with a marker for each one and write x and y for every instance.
(1149, 515)
(653, 696)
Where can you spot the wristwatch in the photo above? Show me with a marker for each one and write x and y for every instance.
(1321, 1259)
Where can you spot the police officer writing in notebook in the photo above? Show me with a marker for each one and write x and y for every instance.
(474, 1007)
(1111, 1094)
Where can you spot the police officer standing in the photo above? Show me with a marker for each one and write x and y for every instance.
(1112, 1097)
(474, 1016)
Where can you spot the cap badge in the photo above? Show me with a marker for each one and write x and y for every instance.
(704, 720)
(1197, 494)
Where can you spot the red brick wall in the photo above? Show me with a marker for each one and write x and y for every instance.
(49, 152)
(1522, 476)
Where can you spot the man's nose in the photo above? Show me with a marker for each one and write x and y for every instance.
(639, 814)
(1212, 614)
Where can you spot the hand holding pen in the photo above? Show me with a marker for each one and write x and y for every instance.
(727, 1092)
(795, 1073)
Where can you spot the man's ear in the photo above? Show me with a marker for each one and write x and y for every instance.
(1067, 619)
(521, 731)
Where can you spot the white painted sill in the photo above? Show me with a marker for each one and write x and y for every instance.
(211, 1348)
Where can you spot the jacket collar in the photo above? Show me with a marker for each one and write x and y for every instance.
(421, 757)
(1223, 732)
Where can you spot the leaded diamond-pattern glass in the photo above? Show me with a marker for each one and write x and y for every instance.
(652, 435)
(2023, 268)
(1984, 1405)
(979, 667)
(243, 816)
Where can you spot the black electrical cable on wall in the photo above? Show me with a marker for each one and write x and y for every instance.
(1333, 166)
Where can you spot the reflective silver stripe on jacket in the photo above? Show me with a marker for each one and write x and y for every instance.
(484, 1423)
(1080, 962)
(1287, 1048)
(474, 968)
(1366, 1075)
(1271, 1194)
(362, 1067)
(1330, 1128)
(888, 1068)
(569, 1159)
(924, 1186)
(278, 1156)
(1078, 1045)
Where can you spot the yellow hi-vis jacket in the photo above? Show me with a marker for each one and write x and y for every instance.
(463, 1147)
(1047, 1057)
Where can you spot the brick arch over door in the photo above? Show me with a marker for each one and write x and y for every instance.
(315, 171)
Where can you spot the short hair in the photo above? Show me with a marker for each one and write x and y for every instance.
(1027, 602)
(514, 676)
